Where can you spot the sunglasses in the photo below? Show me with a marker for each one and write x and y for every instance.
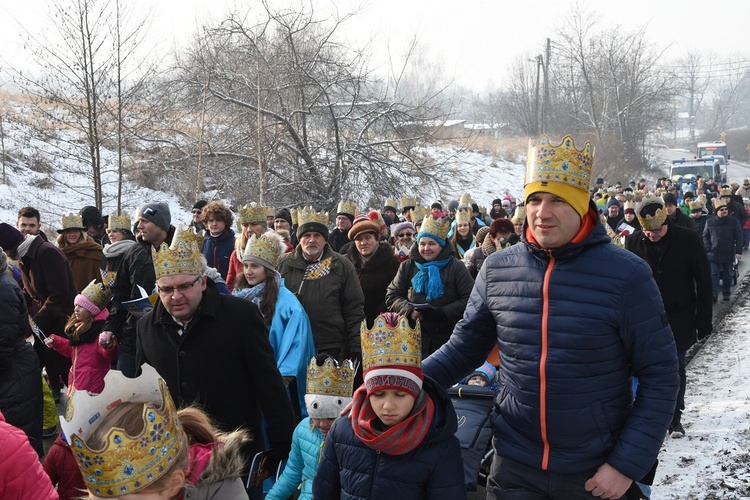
(197, 211)
(405, 235)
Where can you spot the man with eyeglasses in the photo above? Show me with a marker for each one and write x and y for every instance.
(213, 350)
(682, 273)
(197, 216)
(136, 269)
(722, 239)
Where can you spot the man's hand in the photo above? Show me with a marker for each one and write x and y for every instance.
(416, 315)
(608, 482)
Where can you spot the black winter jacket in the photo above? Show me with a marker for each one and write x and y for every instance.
(348, 469)
(722, 239)
(682, 273)
(374, 276)
(682, 220)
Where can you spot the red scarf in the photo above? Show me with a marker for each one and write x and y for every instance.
(396, 440)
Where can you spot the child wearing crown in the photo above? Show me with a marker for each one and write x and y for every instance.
(329, 389)
(92, 357)
(398, 439)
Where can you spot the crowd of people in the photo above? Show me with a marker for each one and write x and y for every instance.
(199, 348)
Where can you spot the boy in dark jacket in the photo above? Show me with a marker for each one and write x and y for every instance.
(398, 439)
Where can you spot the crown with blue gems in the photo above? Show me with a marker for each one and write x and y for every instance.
(439, 227)
(391, 344)
(267, 248)
(126, 464)
(330, 379)
(306, 215)
(121, 221)
(252, 212)
(182, 257)
(72, 221)
(562, 163)
(97, 293)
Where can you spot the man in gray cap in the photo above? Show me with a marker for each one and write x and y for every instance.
(137, 268)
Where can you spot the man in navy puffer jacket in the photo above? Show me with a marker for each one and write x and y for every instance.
(575, 318)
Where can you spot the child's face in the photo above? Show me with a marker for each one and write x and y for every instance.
(477, 380)
(391, 406)
(323, 424)
(81, 313)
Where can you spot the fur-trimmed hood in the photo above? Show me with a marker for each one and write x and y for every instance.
(226, 461)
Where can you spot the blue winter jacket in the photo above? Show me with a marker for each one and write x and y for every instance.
(302, 464)
(573, 326)
(349, 469)
(218, 249)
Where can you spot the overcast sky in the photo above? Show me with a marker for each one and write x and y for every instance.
(476, 40)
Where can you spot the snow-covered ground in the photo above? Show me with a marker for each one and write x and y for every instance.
(712, 461)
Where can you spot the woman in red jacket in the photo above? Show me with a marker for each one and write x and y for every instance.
(21, 474)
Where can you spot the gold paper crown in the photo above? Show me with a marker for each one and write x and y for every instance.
(465, 199)
(293, 214)
(126, 464)
(408, 201)
(97, 293)
(267, 248)
(386, 345)
(463, 214)
(628, 204)
(438, 227)
(72, 221)
(697, 204)
(347, 207)
(121, 221)
(252, 213)
(651, 222)
(183, 257)
(390, 202)
(270, 212)
(329, 379)
(718, 203)
(722, 193)
(308, 214)
(562, 163)
(482, 210)
(419, 213)
(519, 215)
(190, 234)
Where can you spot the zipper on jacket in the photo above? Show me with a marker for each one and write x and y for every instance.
(543, 363)
(374, 472)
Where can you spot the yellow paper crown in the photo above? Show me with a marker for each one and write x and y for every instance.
(270, 212)
(438, 227)
(293, 214)
(329, 379)
(463, 214)
(465, 199)
(347, 207)
(252, 213)
(390, 203)
(722, 193)
(190, 234)
(72, 221)
(718, 203)
(308, 214)
(419, 213)
(628, 204)
(127, 464)
(697, 205)
(482, 210)
(183, 257)
(121, 221)
(267, 248)
(408, 201)
(386, 345)
(97, 293)
(519, 215)
(651, 222)
(562, 163)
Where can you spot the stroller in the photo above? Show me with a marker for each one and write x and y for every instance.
(473, 405)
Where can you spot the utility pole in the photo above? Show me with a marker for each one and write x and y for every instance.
(536, 95)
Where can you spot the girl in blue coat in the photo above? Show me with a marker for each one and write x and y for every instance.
(398, 439)
(329, 389)
(289, 328)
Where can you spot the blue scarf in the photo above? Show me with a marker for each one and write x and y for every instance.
(428, 278)
(253, 293)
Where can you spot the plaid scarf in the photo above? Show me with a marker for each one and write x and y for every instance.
(397, 440)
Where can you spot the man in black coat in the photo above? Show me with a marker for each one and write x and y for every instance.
(736, 208)
(722, 239)
(683, 275)
(213, 350)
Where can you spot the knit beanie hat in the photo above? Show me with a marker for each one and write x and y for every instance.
(91, 216)
(364, 224)
(10, 237)
(669, 198)
(200, 204)
(392, 355)
(284, 213)
(486, 371)
(613, 203)
(311, 221)
(397, 228)
(158, 213)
